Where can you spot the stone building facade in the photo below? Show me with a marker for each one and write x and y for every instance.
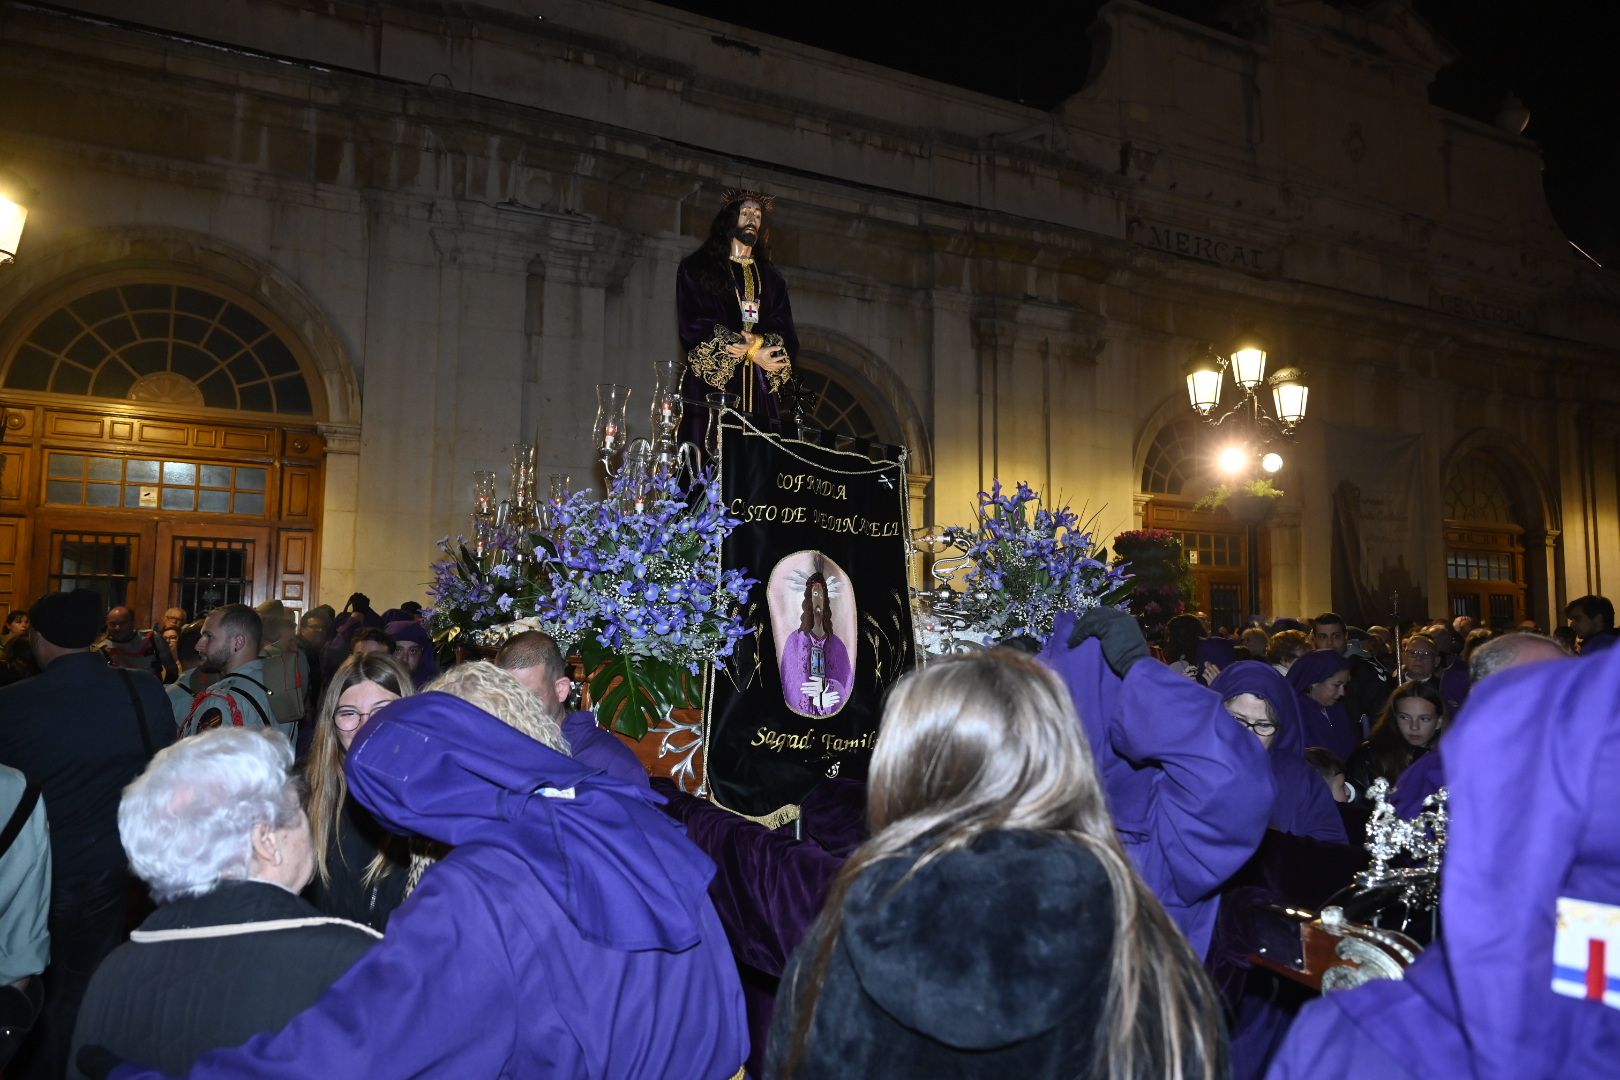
(294, 271)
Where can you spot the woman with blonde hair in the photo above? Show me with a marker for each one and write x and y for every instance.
(992, 925)
(361, 869)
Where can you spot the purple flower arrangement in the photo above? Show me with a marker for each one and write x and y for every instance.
(1030, 563)
(631, 581)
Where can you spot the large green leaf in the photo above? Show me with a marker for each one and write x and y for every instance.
(633, 693)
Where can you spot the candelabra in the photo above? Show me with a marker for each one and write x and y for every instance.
(945, 622)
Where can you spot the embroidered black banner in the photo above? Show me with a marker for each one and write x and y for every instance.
(824, 530)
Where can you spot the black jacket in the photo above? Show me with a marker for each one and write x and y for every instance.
(349, 850)
(166, 1003)
(990, 962)
(74, 730)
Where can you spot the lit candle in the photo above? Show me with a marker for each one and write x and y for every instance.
(610, 433)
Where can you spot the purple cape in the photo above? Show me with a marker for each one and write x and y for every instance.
(1303, 805)
(568, 933)
(1422, 778)
(600, 749)
(1171, 760)
(795, 670)
(1331, 728)
(1532, 767)
(427, 665)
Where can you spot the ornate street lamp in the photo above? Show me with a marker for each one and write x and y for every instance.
(1207, 372)
(15, 198)
(1262, 426)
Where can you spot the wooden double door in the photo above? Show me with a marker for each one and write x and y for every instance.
(150, 563)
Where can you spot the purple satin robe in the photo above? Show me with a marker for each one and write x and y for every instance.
(1531, 767)
(796, 670)
(1190, 790)
(565, 935)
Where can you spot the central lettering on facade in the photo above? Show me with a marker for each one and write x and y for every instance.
(1466, 307)
(1192, 244)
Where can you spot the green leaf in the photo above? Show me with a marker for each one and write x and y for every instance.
(631, 694)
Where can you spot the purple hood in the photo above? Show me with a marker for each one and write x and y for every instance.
(624, 873)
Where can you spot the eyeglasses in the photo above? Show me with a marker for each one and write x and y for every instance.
(1259, 727)
(349, 716)
(1423, 654)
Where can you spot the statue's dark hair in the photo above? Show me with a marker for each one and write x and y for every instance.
(709, 262)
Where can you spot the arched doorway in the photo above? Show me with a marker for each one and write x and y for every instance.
(1486, 576)
(1176, 473)
(160, 447)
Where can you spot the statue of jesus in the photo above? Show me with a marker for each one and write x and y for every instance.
(735, 321)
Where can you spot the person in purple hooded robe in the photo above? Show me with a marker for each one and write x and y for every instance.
(1258, 698)
(1531, 764)
(815, 669)
(1320, 679)
(736, 325)
(414, 649)
(1284, 871)
(567, 933)
(1171, 760)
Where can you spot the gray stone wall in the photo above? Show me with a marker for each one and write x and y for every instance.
(476, 214)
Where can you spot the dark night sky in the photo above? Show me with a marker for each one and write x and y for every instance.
(1556, 55)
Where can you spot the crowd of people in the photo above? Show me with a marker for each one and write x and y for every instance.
(262, 845)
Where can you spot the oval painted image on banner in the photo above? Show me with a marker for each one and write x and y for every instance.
(812, 604)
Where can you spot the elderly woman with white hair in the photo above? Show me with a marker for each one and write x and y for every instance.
(216, 828)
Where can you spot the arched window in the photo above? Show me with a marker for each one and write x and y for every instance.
(831, 406)
(1485, 574)
(161, 343)
(1177, 462)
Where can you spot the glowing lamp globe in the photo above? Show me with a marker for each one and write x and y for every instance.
(1232, 460)
(1288, 396)
(1249, 365)
(1204, 377)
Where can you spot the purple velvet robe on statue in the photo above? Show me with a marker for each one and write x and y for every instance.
(1531, 769)
(1331, 727)
(795, 671)
(702, 316)
(1189, 789)
(568, 933)
(1303, 805)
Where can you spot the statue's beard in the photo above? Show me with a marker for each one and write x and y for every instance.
(745, 233)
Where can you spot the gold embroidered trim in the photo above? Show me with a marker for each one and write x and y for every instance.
(710, 360)
(779, 379)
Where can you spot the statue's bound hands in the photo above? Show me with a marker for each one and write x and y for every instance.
(771, 359)
(1119, 633)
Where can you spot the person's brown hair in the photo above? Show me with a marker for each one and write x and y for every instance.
(323, 773)
(532, 648)
(990, 741)
(1287, 645)
(1388, 745)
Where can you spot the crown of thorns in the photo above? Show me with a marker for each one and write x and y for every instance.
(737, 195)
